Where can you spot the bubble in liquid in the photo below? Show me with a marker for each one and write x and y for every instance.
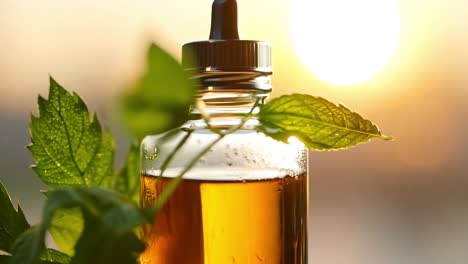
(150, 196)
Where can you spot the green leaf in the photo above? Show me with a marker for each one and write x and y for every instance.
(29, 246)
(108, 236)
(69, 146)
(318, 123)
(28, 240)
(12, 221)
(70, 150)
(104, 244)
(66, 227)
(128, 177)
(4, 259)
(52, 256)
(162, 97)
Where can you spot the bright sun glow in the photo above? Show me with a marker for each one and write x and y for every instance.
(342, 41)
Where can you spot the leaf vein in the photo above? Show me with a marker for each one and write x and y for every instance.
(265, 116)
(67, 133)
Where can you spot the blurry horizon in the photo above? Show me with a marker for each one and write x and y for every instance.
(403, 201)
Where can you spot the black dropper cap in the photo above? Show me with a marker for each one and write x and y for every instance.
(224, 51)
(224, 20)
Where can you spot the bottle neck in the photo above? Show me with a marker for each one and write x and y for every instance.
(231, 93)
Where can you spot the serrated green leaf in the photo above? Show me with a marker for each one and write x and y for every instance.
(66, 228)
(107, 237)
(318, 123)
(27, 241)
(70, 149)
(128, 177)
(162, 97)
(69, 146)
(12, 221)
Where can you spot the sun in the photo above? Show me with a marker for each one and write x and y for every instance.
(345, 42)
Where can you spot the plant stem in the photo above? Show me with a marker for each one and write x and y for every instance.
(171, 156)
(174, 183)
(171, 187)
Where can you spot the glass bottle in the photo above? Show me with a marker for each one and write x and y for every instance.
(246, 198)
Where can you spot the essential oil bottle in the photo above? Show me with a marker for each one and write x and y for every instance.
(246, 199)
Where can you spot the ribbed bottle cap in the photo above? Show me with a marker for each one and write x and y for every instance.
(242, 55)
(224, 51)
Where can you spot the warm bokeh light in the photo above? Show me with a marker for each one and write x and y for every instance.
(345, 42)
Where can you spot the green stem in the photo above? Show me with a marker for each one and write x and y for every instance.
(174, 183)
(171, 156)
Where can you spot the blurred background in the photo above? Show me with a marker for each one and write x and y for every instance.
(404, 201)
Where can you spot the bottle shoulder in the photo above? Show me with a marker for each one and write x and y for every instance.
(244, 149)
(197, 134)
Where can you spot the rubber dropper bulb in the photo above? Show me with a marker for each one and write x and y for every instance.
(224, 20)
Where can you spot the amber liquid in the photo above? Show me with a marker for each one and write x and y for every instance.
(221, 222)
